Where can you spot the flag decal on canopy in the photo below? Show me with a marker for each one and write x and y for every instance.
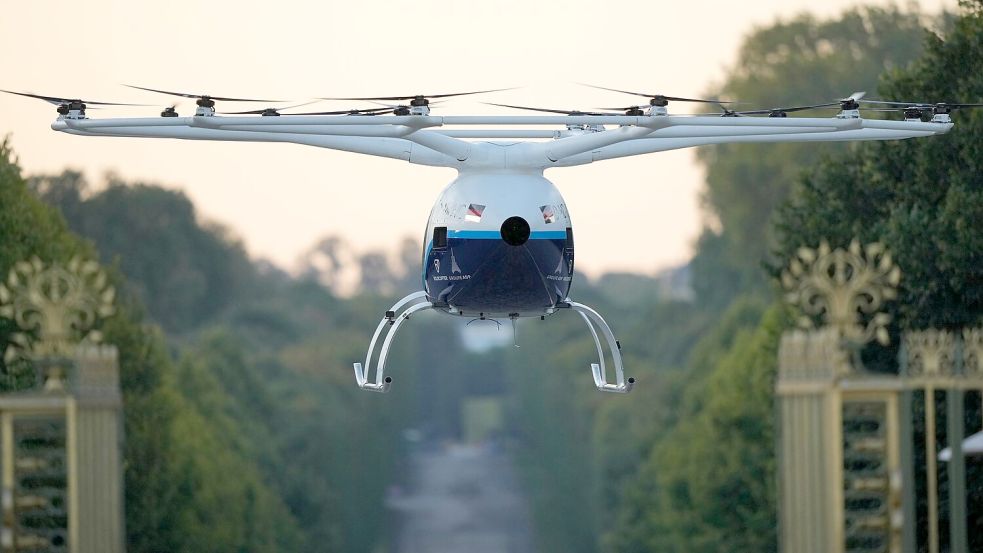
(474, 213)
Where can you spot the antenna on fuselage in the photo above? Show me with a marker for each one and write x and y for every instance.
(515, 338)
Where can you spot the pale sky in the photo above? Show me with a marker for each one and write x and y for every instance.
(640, 214)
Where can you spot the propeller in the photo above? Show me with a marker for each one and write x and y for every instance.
(265, 111)
(369, 111)
(68, 104)
(910, 112)
(627, 110)
(418, 100)
(659, 100)
(782, 112)
(550, 110)
(851, 102)
(202, 100)
(724, 112)
(61, 101)
(933, 107)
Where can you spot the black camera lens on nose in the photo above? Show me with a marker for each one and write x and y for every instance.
(515, 231)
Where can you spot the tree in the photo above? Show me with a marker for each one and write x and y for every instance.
(186, 487)
(801, 61)
(708, 486)
(922, 198)
(185, 272)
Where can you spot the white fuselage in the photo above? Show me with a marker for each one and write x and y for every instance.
(472, 266)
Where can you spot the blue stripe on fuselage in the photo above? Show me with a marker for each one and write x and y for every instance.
(495, 234)
(487, 235)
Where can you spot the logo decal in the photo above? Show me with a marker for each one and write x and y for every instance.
(549, 213)
(454, 266)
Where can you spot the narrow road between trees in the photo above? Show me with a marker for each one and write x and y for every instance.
(462, 499)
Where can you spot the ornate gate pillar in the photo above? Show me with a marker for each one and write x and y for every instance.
(839, 462)
(60, 418)
(845, 440)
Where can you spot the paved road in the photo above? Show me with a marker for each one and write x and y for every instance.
(462, 499)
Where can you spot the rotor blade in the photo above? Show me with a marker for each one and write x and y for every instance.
(855, 97)
(394, 106)
(250, 112)
(669, 98)
(548, 110)
(921, 105)
(195, 96)
(899, 104)
(621, 91)
(398, 98)
(788, 109)
(470, 93)
(625, 108)
(622, 110)
(370, 111)
(59, 101)
(260, 111)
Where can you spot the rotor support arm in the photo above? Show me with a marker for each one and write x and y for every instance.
(411, 128)
(551, 152)
(379, 145)
(869, 130)
(417, 138)
(574, 147)
(452, 147)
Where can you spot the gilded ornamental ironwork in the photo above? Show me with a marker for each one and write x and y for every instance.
(847, 463)
(844, 288)
(62, 477)
(930, 353)
(55, 307)
(973, 353)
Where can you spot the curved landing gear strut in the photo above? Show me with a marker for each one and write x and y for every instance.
(412, 303)
(599, 370)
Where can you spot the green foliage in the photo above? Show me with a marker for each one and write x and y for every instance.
(804, 60)
(187, 487)
(144, 226)
(686, 462)
(249, 435)
(255, 437)
(27, 229)
(922, 198)
(575, 446)
(709, 484)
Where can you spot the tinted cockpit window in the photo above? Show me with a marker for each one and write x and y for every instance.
(439, 237)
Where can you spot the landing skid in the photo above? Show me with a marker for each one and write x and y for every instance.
(417, 301)
(599, 369)
(412, 303)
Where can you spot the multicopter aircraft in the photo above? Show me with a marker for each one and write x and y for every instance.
(499, 242)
